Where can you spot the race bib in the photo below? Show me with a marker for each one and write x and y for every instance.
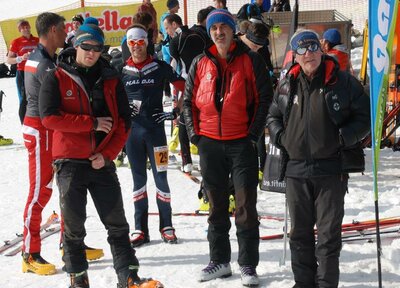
(161, 158)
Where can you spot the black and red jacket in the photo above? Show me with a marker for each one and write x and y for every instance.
(69, 107)
(227, 103)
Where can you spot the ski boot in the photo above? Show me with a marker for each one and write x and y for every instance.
(204, 205)
(193, 149)
(168, 235)
(93, 253)
(232, 205)
(138, 238)
(174, 142)
(5, 141)
(128, 278)
(120, 159)
(33, 262)
(79, 280)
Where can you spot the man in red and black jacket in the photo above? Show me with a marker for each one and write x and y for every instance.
(226, 97)
(84, 102)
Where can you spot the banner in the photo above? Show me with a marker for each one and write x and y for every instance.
(382, 24)
(113, 20)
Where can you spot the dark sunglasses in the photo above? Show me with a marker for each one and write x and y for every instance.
(88, 47)
(312, 48)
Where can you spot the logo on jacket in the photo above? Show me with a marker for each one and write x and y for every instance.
(336, 106)
(208, 76)
(68, 95)
(296, 100)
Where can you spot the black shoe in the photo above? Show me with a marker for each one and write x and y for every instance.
(79, 280)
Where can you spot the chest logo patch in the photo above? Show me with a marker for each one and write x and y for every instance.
(336, 106)
(208, 76)
(68, 93)
(296, 100)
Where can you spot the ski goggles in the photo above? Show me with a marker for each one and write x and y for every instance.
(139, 42)
(312, 48)
(88, 47)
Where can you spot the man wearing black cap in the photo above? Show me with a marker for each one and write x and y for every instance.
(226, 97)
(84, 102)
(77, 21)
(317, 115)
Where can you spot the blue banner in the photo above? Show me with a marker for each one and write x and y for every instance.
(382, 24)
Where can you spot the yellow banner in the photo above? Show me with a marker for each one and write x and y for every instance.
(113, 20)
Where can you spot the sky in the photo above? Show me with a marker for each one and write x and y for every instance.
(177, 266)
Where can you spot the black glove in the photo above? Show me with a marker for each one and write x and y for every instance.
(134, 110)
(162, 116)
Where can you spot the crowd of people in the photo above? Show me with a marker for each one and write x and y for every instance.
(78, 112)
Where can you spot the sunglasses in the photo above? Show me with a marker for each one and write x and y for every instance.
(139, 42)
(88, 47)
(312, 48)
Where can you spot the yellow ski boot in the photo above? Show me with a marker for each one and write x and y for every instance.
(174, 142)
(33, 262)
(232, 205)
(194, 150)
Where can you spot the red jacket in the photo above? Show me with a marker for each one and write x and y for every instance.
(227, 103)
(341, 56)
(65, 108)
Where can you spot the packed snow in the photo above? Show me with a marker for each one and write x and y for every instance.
(178, 265)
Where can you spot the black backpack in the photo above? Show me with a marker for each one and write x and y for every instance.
(242, 13)
(4, 70)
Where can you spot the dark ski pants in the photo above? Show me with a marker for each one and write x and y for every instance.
(74, 179)
(316, 201)
(184, 142)
(139, 147)
(19, 78)
(219, 159)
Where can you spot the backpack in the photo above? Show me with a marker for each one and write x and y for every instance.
(242, 13)
(4, 70)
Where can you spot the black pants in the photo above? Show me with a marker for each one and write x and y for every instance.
(218, 159)
(184, 142)
(21, 95)
(74, 180)
(316, 201)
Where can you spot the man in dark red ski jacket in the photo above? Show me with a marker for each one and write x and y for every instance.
(84, 102)
(226, 97)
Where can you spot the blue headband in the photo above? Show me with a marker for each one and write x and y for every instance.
(304, 39)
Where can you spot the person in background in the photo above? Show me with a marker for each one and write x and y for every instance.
(331, 44)
(317, 112)
(173, 8)
(220, 4)
(200, 27)
(145, 19)
(88, 134)
(256, 38)
(184, 46)
(226, 97)
(20, 49)
(147, 7)
(77, 21)
(143, 78)
(280, 6)
(38, 140)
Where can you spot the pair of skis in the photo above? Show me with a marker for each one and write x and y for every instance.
(46, 230)
(195, 214)
(363, 230)
(173, 163)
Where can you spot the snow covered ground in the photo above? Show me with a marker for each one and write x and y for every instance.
(177, 265)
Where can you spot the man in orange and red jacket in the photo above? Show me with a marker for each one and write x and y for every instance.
(226, 97)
